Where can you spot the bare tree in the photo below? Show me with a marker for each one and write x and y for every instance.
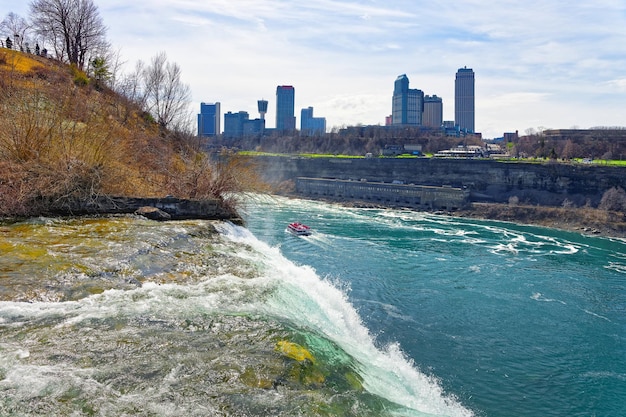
(16, 27)
(570, 150)
(613, 199)
(115, 64)
(73, 27)
(167, 98)
(130, 85)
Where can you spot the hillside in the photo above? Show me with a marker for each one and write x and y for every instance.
(63, 139)
(582, 219)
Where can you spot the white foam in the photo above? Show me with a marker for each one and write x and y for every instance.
(314, 303)
(596, 315)
(539, 297)
(297, 295)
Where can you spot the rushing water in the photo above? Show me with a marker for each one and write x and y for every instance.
(378, 313)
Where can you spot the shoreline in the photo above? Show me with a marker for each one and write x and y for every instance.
(160, 209)
(583, 220)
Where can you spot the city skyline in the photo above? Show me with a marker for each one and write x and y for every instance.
(409, 107)
(549, 63)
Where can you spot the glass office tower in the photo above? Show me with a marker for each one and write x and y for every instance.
(311, 126)
(285, 108)
(209, 119)
(407, 105)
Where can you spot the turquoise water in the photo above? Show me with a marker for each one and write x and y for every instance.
(378, 313)
(511, 320)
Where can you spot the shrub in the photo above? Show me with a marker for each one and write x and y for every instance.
(41, 72)
(80, 78)
(567, 203)
(613, 199)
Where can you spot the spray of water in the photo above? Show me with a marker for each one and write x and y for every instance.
(305, 299)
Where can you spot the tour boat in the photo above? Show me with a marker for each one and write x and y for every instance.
(299, 229)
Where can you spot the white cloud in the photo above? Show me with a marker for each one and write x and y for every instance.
(617, 84)
(537, 62)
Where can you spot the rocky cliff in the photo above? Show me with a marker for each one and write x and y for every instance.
(168, 208)
(496, 181)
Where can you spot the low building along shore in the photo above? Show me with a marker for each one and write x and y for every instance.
(401, 195)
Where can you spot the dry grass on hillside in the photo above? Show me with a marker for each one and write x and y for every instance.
(19, 62)
(62, 140)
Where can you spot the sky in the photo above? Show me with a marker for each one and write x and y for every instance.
(538, 63)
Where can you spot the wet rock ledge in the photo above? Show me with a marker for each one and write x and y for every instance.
(168, 208)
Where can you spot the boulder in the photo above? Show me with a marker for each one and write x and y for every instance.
(153, 213)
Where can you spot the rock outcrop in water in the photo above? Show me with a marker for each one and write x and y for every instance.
(168, 208)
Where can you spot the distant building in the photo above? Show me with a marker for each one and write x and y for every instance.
(311, 126)
(461, 152)
(392, 150)
(433, 111)
(612, 134)
(209, 119)
(233, 124)
(413, 148)
(415, 108)
(450, 128)
(464, 100)
(262, 106)
(285, 108)
(407, 104)
(237, 125)
(510, 136)
(400, 101)
(253, 127)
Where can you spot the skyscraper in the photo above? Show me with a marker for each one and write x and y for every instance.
(408, 104)
(234, 124)
(310, 125)
(237, 125)
(433, 111)
(209, 119)
(400, 97)
(464, 114)
(285, 108)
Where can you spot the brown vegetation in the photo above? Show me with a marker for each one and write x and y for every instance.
(614, 199)
(585, 219)
(349, 141)
(61, 140)
(594, 144)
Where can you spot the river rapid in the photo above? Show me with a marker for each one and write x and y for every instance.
(378, 313)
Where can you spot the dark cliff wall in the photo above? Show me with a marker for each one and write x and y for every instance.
(547, 184)
(176, 208)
